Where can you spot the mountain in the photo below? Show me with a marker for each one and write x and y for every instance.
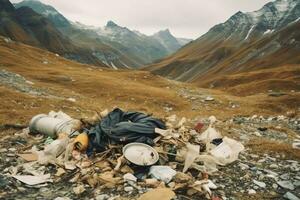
(247, 42)
(171, 43)
(48, 11)
(117, 46)
(25, 25)
(142, 48)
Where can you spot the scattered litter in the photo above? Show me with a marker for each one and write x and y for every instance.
(163, 173)
(192, 153)
(81, 142)
(79, 189)
(33, 180)
(140, 154)
(159, 194)
(29, 156)
(199, 127)
(126, 151)
(53, 124)
(129, 177)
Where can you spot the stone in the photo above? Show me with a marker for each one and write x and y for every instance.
(71, 99)
(62, 198)
(243, 166)
(209, 98)
(297, 183)
(273, 166)
(259, 183)
(181, 177)
(256, 133)
(285, 176)
(102, 197)
(251, 191)
(12, 149)
(128, 189)
(3, 150)
(286, 184)
(290, 196)
(79, 189)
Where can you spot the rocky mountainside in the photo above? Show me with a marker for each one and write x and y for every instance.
(27, 26)
(171, 43)
(265, 39)
(116, 46)
(51, 13)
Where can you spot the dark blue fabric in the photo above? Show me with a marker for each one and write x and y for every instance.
(120, 127)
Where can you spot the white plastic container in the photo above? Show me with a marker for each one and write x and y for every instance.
(50, 126)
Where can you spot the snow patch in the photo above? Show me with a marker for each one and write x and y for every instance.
(125, 65)
(113, 66)
(251, 29)
(268, 31)
(50, 12)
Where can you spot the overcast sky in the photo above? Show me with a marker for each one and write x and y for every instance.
(184, 18)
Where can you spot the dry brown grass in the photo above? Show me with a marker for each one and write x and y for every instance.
(263, 146)
(97, 88)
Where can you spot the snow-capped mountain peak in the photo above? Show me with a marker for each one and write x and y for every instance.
(270, 18)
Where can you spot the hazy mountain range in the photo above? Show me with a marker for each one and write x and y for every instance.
(254, 50)
(113, 45)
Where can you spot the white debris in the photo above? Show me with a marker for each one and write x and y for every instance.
(163, 173)
(79, 189)
(129, 177)
(251, 191)
(33, 180)
(71, 99)
(209, 98)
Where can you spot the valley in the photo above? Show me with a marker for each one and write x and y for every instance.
(245, 72)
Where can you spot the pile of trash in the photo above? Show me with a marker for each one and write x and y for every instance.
(136, 153)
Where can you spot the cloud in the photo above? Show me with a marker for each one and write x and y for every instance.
(185, 18)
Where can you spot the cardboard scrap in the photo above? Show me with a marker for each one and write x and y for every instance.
(29, 156)
(33, 180)
(159, 193)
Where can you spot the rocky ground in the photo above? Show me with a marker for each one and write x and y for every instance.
(267, 125)
(268, 168)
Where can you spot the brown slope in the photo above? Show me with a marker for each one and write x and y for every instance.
(206, 61)
(96, 88)
(27, 26)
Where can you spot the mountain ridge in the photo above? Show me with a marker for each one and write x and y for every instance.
(114, 45)
(242, 43)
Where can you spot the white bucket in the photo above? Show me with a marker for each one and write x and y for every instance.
(49, 125)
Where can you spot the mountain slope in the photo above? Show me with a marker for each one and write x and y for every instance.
(114, 45)
(171, 43)
(48, 11)
(267, 38)
(25, 25)
(143, 48)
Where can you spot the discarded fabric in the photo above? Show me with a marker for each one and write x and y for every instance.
(121, 127)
